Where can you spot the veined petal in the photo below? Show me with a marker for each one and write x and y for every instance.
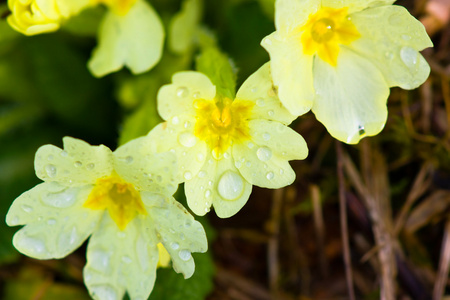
(177, 136)
(137, 162)
(263, 161)
(56, 223)
(355, 5)
(219, 184)
(351, 97)
(178, 97)
(134, 40)
(391, 39)
(119, 261)
(290, 14)
(78, 164)
(259, 88)
(291, 72)
(180, 233)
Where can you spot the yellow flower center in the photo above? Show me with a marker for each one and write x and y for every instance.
(120, 198)
(222, 122)
(325, 31)
(120, 7)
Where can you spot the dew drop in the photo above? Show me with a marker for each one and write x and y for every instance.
(50, 157)
(187, 124)
(90, 166)
(270, 175)
(64, 153)
(248, 164)
(250, 145)
(51, 221)
(185, 255)
(260, 102)
(27, 208)
(126, 259)
(50, 170)
(78, 164)
(216, 153)
(129, 159)
(226, 155)
(361, 130)
(210, 183)
(61, 200)
(15, 221)
(389, 55)
(201, 174)
(208, 193)
(270, 113)
(175, 120)
(406, 37)
(196, 95)
(238, 164)
(174, 246)
(409, 56)
(281, 171)
(187, 175)
(266, 136)
(230, 186)
(264, 153)
(267, 41)
(254, 90)
(182, 92)
(33, 246)
(187, 139)
(200, 157)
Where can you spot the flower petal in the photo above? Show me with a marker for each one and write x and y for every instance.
(290, 14)
(119, 261)
(78, 164)
(263, 161)
(56, 223)
(134, 40)
(180, 233)
(351, 97)
(391, 39)
(138, 163)
(178, 97)
(177, 136)
(355, 5)
(184, 25)
(219, 184)
(291, 72)
(259, 89)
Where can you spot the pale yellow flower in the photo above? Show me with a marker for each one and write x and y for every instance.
(122, 200)
(339, 58)
(32, 17)
(225, 146)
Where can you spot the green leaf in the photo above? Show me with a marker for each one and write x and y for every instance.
(220, 70)
(141, 89)
(170, 285)
(86, 22)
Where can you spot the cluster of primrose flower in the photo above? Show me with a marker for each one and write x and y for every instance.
(336, 58)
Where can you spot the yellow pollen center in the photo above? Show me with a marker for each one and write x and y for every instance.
(222, 122)
(120, 7)
(325, 31)
(120, 198)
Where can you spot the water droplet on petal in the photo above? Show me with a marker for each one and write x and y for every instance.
(266, 136)
(267, 41)
(185, 255)
(129, 159)
(174, 246)
(389, 55)
(187, 139)
(216, 153)
(64, 153)
(230, 186)
(51, 221)
(260, 102)
(248, 164)
(226, 155)
(182, 92)
(50, 157)
(406, 37)
(27, 208)
(78, 164)
(361, 130)
(33, 246)
(200, 157)
(409, 56)
(196, 95)
(90, 166)
(250, 145)
(175, 120)
(270, 113)
(61, 200)
(238, 164)
(201, 174)
(126, 259)
(264, 153)
(208, 193)
(50, 170)
(210, 183)
(281, 171)
(187, 175)
(270, 175)
(187, 124)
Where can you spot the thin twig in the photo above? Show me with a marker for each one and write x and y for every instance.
(444, 262)
(344, 226)
(272, 252)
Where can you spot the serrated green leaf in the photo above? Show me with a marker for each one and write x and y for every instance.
(220, 70)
